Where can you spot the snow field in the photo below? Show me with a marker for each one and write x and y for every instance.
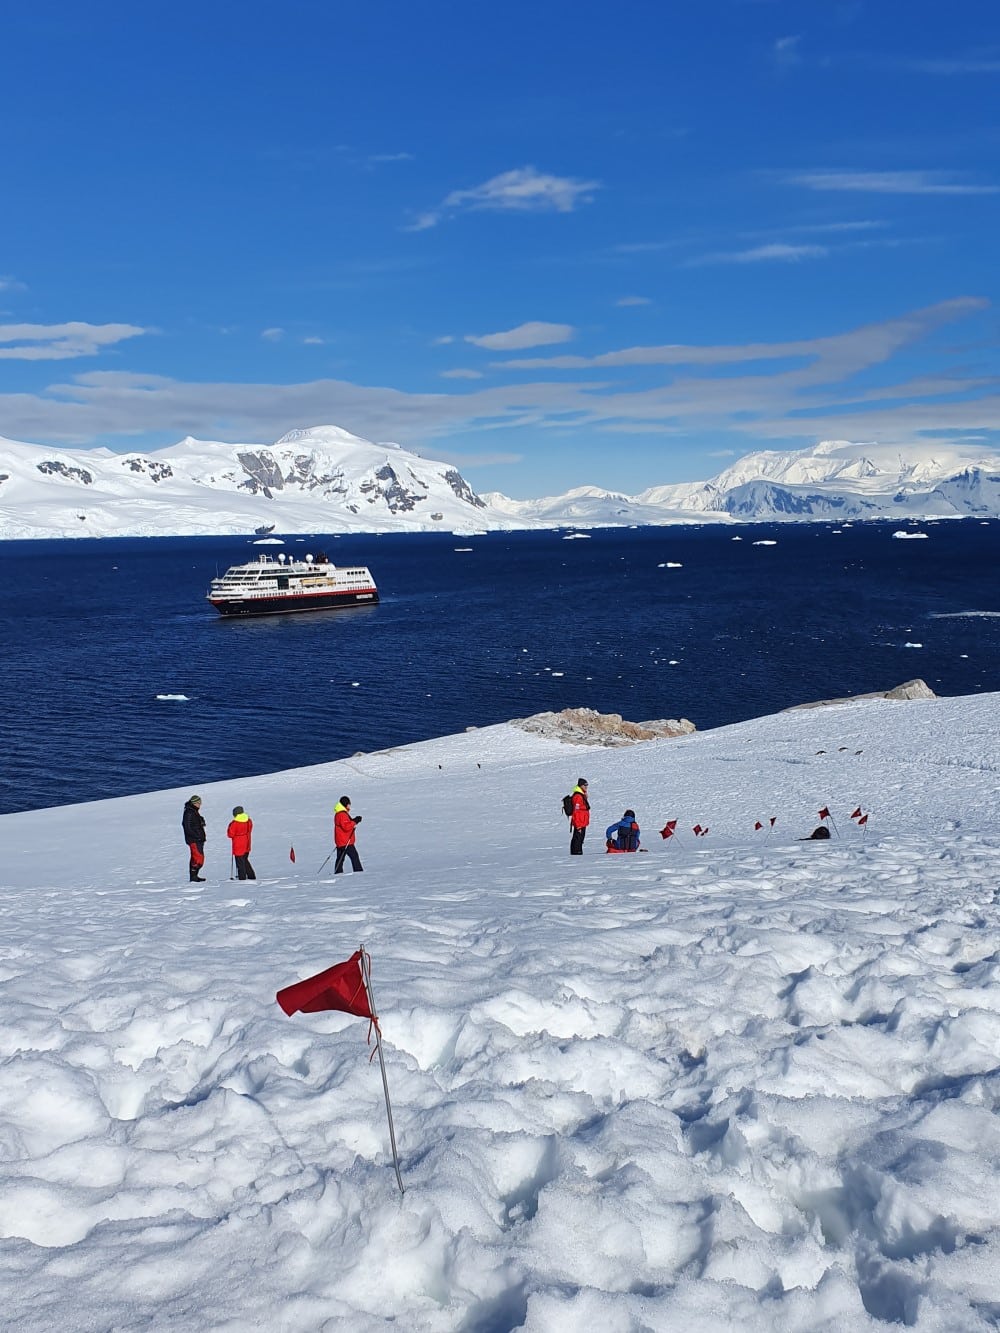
(733, 1082)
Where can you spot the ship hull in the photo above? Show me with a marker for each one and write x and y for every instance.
(279, 605)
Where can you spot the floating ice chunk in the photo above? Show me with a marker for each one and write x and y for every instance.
(180, 698)
(670, 564)
(673, 662)
(910, 536)
(913, 645)
(558, 673)
(464, 548)
(765, 542)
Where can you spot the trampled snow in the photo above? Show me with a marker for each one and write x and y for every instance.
(737, 1081)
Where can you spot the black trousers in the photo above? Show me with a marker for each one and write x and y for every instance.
(244, 870)
(576, 842)
(347, 852)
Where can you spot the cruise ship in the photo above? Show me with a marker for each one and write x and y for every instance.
(274, 586)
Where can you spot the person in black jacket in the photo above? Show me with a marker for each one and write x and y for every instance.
(193, 824)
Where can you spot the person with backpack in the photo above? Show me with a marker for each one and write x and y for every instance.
(240, 834)
(344, 828)
(193, 824)
(579, 816)
(623, 836)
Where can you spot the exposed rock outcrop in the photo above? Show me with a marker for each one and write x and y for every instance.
(911, 689)
(585, 726)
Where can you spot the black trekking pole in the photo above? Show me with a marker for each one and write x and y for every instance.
(324, 863)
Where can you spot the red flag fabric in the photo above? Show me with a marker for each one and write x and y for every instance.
(774, 820)
(856, 814)
(824, 813)
(339, 987)
(704, 832)
(862, 821)
(696, 830)
(757, 825)
(666, 831)
(291, 854)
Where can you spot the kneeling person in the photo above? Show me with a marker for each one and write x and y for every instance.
(624, 836)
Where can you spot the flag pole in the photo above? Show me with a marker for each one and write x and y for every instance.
(366, 978)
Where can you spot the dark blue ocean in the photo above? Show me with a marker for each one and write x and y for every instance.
(93, 631)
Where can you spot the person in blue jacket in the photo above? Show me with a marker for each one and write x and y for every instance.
(624, 836)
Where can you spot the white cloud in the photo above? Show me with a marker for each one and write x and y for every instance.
(312, 342)
(836, 228)
(985, 62)
(889, 182)
(786, 51)
(59, 342)
(459, 374)
(272, 335)
(839, 385)
(11, 284)
(444, 340)
(763, 254)
(633, 300)
(535, 333)
(523, 190)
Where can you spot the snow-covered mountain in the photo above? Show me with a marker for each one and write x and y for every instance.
(327, 480)
(318, 480)
(834, 479)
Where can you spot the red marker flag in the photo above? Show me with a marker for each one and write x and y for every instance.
(668, 828)
(774, 820)
(856, 814)
(291, 855)
(339, 987)
(862, 821)
(757, 825)
(824, 813)
(697, 830)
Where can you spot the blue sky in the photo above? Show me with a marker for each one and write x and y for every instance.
(555, 243)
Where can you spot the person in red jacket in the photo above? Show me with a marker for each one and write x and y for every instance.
(344, 827)
(580, 818)
(240, 834)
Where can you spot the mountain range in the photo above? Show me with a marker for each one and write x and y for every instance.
(327, 480)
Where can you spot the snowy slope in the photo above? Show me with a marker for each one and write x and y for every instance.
(326, 480)
(737, 1081)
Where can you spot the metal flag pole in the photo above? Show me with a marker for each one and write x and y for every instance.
(366, 978)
